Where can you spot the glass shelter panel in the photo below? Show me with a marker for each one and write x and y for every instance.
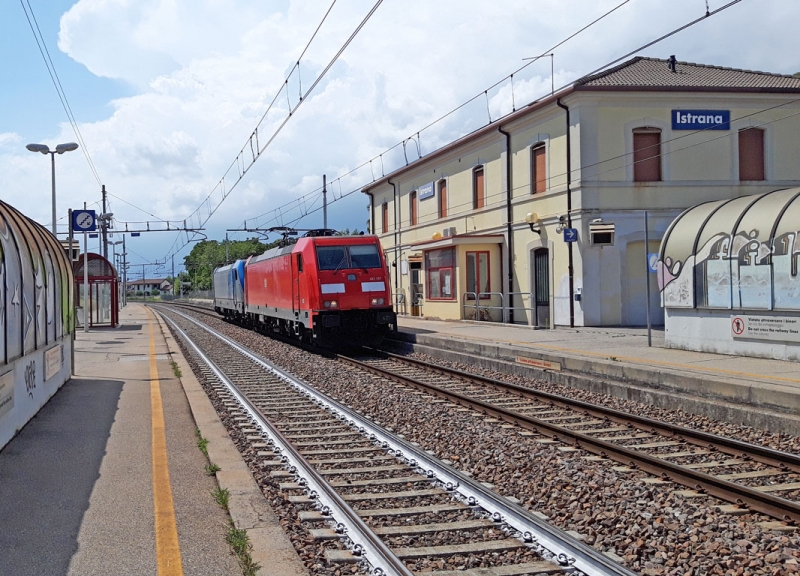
(786, 259)
(713, 278)
(676, 264)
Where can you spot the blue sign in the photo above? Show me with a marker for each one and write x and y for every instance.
(570, 234)
(652, 261)
(93, 235)
(84, 220)
(134, 234)
(425, 191)
(701, 119)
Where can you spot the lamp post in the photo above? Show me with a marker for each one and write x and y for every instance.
(60, 149)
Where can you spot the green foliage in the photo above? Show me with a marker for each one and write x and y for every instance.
(240, 543)
(348, 232)
(210, 254)
(221, 496)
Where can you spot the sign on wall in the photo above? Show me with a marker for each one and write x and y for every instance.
(775, 328)
(425, 191)
(701, 119)
(6, 392)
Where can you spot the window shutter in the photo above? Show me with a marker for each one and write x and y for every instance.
(647, 156)
(478, 198)
(539, 164)
(751, 154)
(442, 199)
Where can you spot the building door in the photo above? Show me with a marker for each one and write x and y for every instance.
(417, 296)
(634, 290)
(541, 287)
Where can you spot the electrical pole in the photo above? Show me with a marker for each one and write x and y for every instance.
(124, 273)
(226, 248)
(105, 225)
(173, 275)
(324, 201)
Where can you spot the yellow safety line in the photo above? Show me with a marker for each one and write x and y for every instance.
(168, 551)
(646, 361)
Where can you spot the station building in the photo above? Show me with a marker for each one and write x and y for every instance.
(540, 218)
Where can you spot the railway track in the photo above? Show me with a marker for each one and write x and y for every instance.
(375, 498)
(743, 474)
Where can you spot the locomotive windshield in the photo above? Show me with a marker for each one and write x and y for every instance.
(341, 257)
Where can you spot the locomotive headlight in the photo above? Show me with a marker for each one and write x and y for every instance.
(330, 304)
(377, 301)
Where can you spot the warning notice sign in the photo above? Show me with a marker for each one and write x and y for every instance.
(775, 328)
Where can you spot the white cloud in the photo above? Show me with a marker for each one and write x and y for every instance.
(205, 71)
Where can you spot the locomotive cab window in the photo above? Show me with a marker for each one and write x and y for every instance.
(365, 256)
(299, 262)
(342, 257)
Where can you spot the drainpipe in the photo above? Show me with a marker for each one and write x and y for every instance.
(510, 228)
(371, 213)
(569, 219)
(396, 241)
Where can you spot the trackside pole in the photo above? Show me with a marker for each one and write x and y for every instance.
(647, 278)
(85, 278)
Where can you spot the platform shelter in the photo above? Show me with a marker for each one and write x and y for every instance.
(102, 306)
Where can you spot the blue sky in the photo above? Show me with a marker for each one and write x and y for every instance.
(166, 92)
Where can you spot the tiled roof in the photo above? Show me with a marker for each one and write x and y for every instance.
(655, 73)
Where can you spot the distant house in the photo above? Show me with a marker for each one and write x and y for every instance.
(147, 286)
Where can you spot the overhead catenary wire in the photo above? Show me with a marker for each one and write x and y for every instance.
(242, 169)
(62, 95)
(605, 66)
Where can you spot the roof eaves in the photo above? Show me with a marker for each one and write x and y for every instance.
(530, 107)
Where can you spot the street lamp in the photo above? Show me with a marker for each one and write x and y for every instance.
(60, 149)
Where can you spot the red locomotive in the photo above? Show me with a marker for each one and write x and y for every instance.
(330, 290)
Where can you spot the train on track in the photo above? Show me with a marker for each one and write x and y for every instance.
(321, 288)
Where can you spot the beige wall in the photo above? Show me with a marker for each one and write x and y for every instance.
(695, 168)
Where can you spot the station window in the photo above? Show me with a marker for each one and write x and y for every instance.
(478, 275)
(538, 168)
(439, 266)
(478, 194)
(751, 154)
(442, 198)
(384, 218)
(647, 155)
(413, 205)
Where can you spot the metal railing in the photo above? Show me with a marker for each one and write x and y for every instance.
(530, 310)
(399, 301)
(482, 313)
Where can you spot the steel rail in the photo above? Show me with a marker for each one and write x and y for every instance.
(774, 506)
(366, 544)
(777, 458)
(550, 542)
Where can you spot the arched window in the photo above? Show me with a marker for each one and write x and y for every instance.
(442, 185)
(478, 194)
(751, 154)
(647, 155)
(538, 168)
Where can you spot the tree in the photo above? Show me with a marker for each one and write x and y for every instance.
(210, 254)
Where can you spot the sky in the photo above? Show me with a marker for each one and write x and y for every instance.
(167, 93)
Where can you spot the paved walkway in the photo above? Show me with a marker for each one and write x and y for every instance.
(108, 479)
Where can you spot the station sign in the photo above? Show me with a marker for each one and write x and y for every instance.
(84, 220)
(425, 191)
(774, 328)
(701, 119)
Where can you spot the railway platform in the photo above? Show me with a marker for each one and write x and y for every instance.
(618, 361)
(108, 477)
